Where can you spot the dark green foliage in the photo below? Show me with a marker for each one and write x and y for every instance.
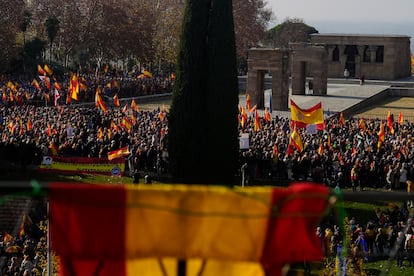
(222, 97)
(291, 30)
(203, 143)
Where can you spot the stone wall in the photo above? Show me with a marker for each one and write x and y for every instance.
(383, 57)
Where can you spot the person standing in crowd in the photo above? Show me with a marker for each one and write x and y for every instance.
(410, 190)
(355, 181)
(362, 79)
(346, 73)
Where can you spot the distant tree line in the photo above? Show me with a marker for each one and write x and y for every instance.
(83, 33)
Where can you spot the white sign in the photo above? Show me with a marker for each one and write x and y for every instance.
(244, 141)
(47, 160)
(311, 129)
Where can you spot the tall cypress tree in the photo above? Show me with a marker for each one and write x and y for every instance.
(202, 133)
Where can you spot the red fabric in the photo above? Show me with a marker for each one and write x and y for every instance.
(87, 222)
(296, 212)
(92, 268)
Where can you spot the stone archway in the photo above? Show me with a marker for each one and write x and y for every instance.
(309, 61)
(276, 62)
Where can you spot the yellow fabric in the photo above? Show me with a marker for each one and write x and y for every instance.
(168, 266)
(203, 221)
(313, 117)
(296, 140)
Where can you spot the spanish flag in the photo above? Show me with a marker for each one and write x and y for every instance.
(127, 123)
(48, 70)
(400, 118)
(390, 121)
(125, 108)
(147, 74)
(134, 106)
(361, 123)
(295, 142)
(341, 119)
(267, 116)
(54, 150)
(40, 70)
(116, 100)
(143, 230)
(74, 87)
(256, 125)
(248, 102)
(118, 153)
(29, 125)
(303, 117)
(99, 103)
(243, 116)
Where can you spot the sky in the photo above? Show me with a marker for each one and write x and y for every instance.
(395, 17)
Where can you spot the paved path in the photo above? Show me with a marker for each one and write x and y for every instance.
(340, 96)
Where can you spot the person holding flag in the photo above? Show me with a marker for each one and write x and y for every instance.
(310, 116)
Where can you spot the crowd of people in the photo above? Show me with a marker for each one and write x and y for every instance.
(25, 252)
(346, 154)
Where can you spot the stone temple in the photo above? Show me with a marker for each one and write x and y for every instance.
(378, 57)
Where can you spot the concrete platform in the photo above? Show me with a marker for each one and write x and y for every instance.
(343, 95)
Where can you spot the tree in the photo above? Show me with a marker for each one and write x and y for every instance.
(222, 96)
(52, 28)
(291, 30)
(27, 17)
(9, 22)
(203, 143)
(251, 19)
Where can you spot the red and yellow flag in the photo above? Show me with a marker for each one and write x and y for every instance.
(341, 119)
(118, 153)
(236, 231)
(54, 150)
(99, 103)
(74, 87)
(310, 116)
(400, 118)
(116, 100)
(390, 121)
(125, 108)
(361, 123)
(7, 238)
(40, 70)
(100, 133)
(243, 116)
(133, 119)
(295, 142)
(267, 116)
(29, 125)
(127, 123)
(256, 125)
(134, 106)
(48, 70)
(248, 102)
(11, 127)
(57, 86)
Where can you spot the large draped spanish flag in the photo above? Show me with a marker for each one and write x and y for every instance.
(143, 230)
(310, 116)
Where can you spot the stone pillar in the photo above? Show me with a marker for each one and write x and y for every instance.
(358, 61)
(298, 78)
(261, 61)
(342, 57)
(280, 86)
(320, 71)
(255, 79)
